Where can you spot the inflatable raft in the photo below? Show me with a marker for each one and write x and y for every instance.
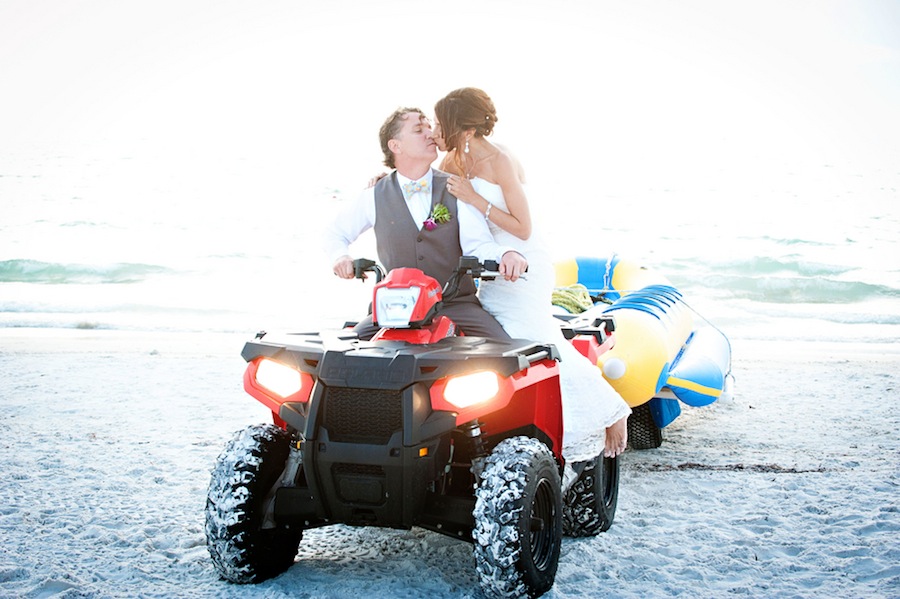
(660, 356)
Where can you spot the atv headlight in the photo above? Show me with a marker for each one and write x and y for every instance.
(394, 307)
(278, 378)
(470, 389)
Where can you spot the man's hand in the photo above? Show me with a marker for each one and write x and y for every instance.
(343, 267)
(513, 265)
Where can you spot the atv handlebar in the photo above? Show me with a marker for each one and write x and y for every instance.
(489, 269)
(363, 265)
(468, 265)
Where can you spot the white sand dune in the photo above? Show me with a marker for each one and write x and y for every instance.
(107, 439)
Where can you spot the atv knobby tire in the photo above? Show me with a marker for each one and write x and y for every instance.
(518, 520)
(589, 506)
(643, 433)
(241, 550)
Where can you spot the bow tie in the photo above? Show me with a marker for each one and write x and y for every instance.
(414, 186)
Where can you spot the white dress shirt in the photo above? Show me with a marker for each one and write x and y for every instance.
(358, 217)
(419, 203)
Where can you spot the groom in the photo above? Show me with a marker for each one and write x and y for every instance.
(399, 205)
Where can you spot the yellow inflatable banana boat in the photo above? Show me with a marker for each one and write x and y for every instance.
(660, 354)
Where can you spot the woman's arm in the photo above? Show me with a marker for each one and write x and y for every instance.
(518, 219)
(503, 172)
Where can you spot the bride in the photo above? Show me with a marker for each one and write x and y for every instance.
(487, 177)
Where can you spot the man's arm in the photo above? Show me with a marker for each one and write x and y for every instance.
(355, 219)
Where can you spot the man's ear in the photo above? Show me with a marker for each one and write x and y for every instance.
(394, 146)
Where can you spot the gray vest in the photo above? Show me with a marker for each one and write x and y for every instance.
(401, 244)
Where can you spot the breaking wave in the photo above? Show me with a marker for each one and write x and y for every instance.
(807, 290)
(34, 271)
(788, 281)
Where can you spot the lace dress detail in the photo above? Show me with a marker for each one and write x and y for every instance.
(523, 308)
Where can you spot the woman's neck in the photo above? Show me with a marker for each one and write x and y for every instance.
(471, 162)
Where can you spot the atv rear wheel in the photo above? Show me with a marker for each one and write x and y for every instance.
(589, 507)
(643, 433)
(242, 550)
(518, 520)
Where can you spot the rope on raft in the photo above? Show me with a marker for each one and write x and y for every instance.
(574, 299)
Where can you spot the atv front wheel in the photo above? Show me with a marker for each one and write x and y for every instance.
(589, 507)
(242, 550)
(518, 520)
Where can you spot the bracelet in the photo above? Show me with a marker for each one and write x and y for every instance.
(487, 211)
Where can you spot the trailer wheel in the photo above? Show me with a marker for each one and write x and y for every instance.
(518, 520)
(642, 430)
(589, 506)
(242, 550)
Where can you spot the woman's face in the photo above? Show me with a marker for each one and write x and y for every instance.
(439, 136)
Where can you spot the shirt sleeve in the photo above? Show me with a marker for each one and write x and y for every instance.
(475, 236)
(355, 219)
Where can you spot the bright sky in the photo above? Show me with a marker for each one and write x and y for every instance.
(633, 86)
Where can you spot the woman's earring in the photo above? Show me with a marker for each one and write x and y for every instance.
(467, 147)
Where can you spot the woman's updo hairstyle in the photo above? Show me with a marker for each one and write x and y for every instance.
(463, 109)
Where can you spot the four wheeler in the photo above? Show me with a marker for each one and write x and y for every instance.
(419, 426)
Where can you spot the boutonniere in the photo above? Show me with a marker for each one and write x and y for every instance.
(439, 216)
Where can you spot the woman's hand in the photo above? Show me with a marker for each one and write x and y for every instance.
(513, 265)
(462, 189)
(376, 179)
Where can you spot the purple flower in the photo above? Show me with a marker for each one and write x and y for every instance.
(439, 215)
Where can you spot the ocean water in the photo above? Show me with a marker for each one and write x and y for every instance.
(101, 239)
(170, 168)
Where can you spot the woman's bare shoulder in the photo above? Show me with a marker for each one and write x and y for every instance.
(505, 161)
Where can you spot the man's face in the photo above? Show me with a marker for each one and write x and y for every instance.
(415, 142)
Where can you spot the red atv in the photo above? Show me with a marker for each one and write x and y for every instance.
(419, 426)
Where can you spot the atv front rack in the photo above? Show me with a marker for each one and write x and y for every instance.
(341, 359)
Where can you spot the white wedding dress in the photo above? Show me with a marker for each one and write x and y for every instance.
(523, 308)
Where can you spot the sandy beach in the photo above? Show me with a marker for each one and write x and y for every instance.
(108, 437)
(167, 168)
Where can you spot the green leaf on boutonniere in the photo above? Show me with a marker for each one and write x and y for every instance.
(439, 216)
